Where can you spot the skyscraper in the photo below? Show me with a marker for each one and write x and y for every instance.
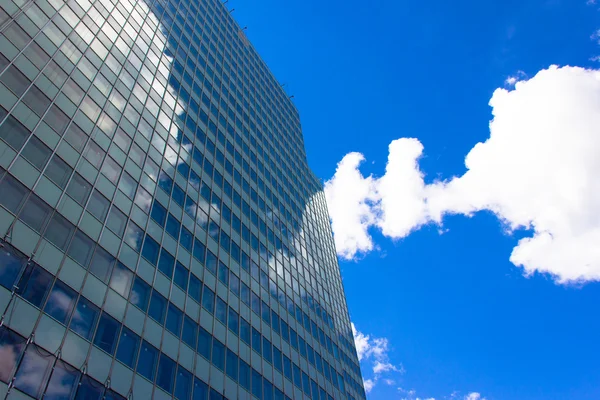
(161, 232)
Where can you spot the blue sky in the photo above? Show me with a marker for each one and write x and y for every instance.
(457, 316)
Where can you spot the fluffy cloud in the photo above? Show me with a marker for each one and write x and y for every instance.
(474, 396)
(373, 354)
(539, 170)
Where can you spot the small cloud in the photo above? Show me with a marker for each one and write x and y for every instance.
(474, 396)
(369, 384)
(513, 79)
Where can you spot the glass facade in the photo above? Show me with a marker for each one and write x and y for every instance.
(161, 234)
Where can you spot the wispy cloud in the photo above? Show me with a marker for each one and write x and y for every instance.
(539, 170)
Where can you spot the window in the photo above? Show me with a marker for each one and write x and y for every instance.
(58, 171)
(128, 347)
(244, 375)
(181, 276)
(158, 307)
(218, 354)
(37, 153)
(166, 373)
(173, 226)
(106, 335)
(256, 339)
(14, 193)
(200, 390)
(186, 239)
(232, 365)
(11, 264)
(208, 300)
(165, 263)
(211, 262)
(79, 189)
(287, 367)
(63, 382)
(33, 371)
(59, 231)
(256, 384)
(267, 351)
(35, 213)
(204, 343)
(89, 389)
(245, 331)
(158, 213)
(13, 133)
(121, 279)
(98, 205)
(195, 288)
(34, 285)
(61, 302)
(102, 264)
(233, 321)
(174, 318)
(128, 185)
(140, 294)
(146, 365)
(221, 311)
(94, 153)
(81, 248)
(277, 359)
(116, 221)
(184, 380)
(134, 236)
(111, 169)
(190, 332)
(223, 273)
(150, 250)
(84, 318)
(11, 346)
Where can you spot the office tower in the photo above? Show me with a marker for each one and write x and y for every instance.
(162, 235)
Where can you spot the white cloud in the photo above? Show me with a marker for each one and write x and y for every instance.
(474, 396)
(513, 79)
(538, 170)
(373, 354)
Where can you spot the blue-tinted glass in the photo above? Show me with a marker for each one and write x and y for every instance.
(195, 288)
(255, 303)
(245, 294)
(186, 239)
(150, 250)
(34, 285)
(89, 389)
(166, 263)
(178, 195)
(84, 318)
(297, 375)
(128, 347)
(211, 262)
(158, 307)
(11, 263)
(33, 371)
(287, 367)
(223, 273)
(275, 321)
(140, 294)
(61, 302)
(267, 390)
(112, 395)
(63, 382)
(305, 383)
(181, 276)
(146, 365)
(244, 375)
(183, 386)
(266, 313)
(199, 250)
(208, 299)
(232, 365)
(218, 354)
(214, 395)
(166, 373)
(234, 284)
(106, 334)
(256, 384)
(221, 311)
(256, 339)
(165, 182)
(190, 332)
(173, 226)
(245, 331)
(204, 343)
(233, 321)
(11, 346)
(174, 318)
(200, 390)
(277, 363)
(158, 213)
(121, 279)
(267, 352)
(279, 395)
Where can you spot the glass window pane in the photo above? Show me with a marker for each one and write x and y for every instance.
(58, 171)
(98, 205)
(204, 343)
(89, 389)
(150, 250)
(146, 365)
(173, 226)
(13, 133)
(79, 189)
(165, 263)
(208, 299)
(34, 285)
(221, 311)
(128, 347)
(190, 332)
(102, 264)
(63, 382)
(232, 365)
(33, 371)
(116, 221)
(183, 388)
(140, 294)
(218, 354)
(244, 375)
(11, 264)
(11, 346)
(174, 318)
(36, 152)
(200, 390)
(35, 213)
(61, 302)
(159, 213)
(158, 307)
(59, 231)
(84, 318)
(181, 276)
(195, 288)
(14, 193)
(81, 248)
(121, 279)
(166, 373)
(106, 335)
